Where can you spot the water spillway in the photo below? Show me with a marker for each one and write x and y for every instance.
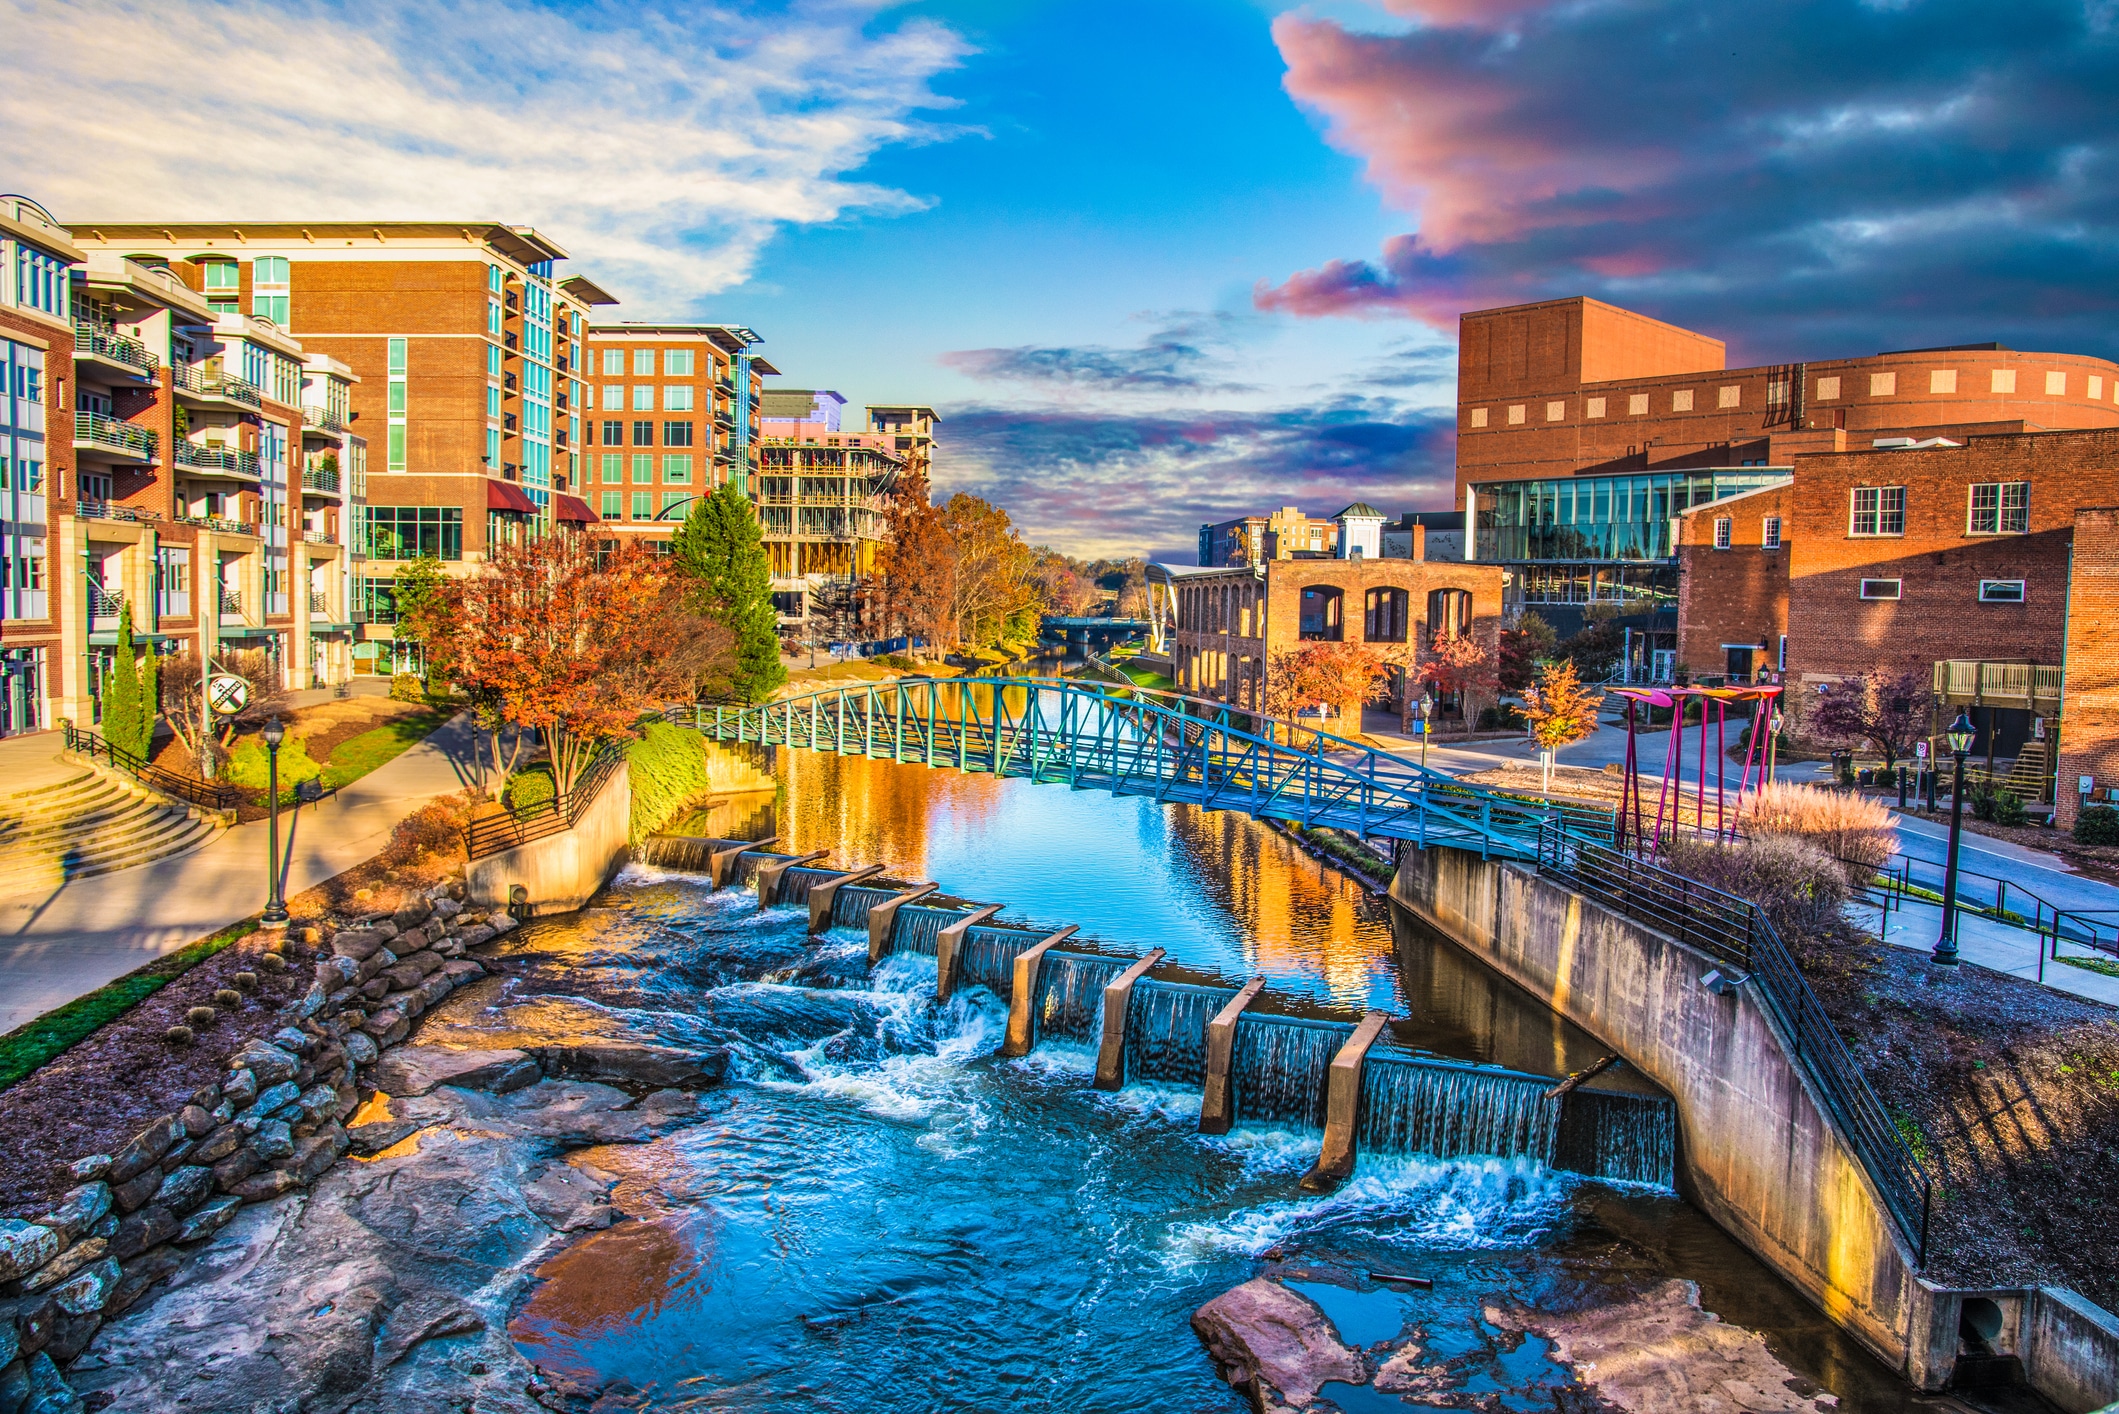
(1069, 1005)
(1410, 1105)
(1166, 1031)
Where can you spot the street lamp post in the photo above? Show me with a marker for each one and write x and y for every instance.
(1960, 737)
(274, 734)
(1773, 743)
(1426, 707)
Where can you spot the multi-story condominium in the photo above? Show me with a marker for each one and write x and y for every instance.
(821, 511)
(911, 430)
(785, 409)
(461, 350)
(675, 414)
(178, 491)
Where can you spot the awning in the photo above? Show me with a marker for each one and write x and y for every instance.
(565, 507)
(504, 496)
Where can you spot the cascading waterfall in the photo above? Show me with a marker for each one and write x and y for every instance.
(744, 869)
(1413, 1106)
(917, 926)
(1632, 1138)
(1279, 1068)
(850, 905)
(1070, 995)
(1166, 1031)
(989, 959)
(796, 883)
(693, 853)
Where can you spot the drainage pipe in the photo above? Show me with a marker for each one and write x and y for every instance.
(949, 949)
(1022, 996)
(884, 916)
(717, 863)
(1111, 1056)
(825, 890)
(1217, 1107)
(1342, 1108)
(769, 875)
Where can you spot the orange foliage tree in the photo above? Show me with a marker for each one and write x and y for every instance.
(1458, 664)
(557, 638)
(1342, 676)
(1559, 709)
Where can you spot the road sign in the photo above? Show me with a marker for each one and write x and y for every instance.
(227, 694)
(1920, 749)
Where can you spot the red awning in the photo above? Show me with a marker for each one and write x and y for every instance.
(565, 507)
(502, 496)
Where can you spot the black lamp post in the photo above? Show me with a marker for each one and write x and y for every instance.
(274, 734)
(1960, 737)
(1426, 709)
(1773, 744)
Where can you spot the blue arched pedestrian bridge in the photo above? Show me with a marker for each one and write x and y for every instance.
(1094, 736)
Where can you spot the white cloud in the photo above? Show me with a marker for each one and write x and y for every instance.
(663, 149)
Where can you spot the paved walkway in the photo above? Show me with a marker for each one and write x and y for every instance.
(58, 945)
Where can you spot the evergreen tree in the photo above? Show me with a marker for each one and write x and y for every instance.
(719, 549)
(121, 690)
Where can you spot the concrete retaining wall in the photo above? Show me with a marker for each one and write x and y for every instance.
(561, 872)
(2072, 1350)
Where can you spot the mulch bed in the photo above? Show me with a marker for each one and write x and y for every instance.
(323, 728)
(95, 1096)
(2012, 1090)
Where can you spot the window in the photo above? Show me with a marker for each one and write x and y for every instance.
(1320, 614)
(1637, 404)
(1595, 408)
(2002, 380)
(409, 532)
(493, 278)
(2001, 591)
(397, 356)
(396, 452)
(220, 275)
(1478, 417)
(1999, 508)
(1879, 510)
(677, 470)
(492, 403)
(643, 505)
(1827, 389)
(643, 434)
(676, 363)
(613, 397)
(676, 434)
(1515, 414)
(1883, 385)
(614, 363)
(1724, 529)
(613, 468)
(1729, 397)
(1770, 533)
(643, 469)
(676, 397)
(673, 499)
(493, 318)
(613, 434)
(613, 504)
(643, 397)
(493, 360)
(2096, 386)
(1879, 588)
(1384, 616)
(396, 397)
(1681, 400)
(2056, 385)
(1555, 411)
(273, 307)
(1942, 380)
(269, 270)
(40, 280)
(1449, 614)
(643, 363)
(492, 446)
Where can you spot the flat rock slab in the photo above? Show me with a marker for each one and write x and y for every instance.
(415, 1070)
(1263, 1333)
(634, 1065)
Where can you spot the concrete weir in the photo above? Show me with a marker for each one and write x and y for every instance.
(723, 860)
(1111, 1055)
(1217, 1105)
(884, 914)
(770, 874)
(949, 947)
(1342, 1107)
(821, 895)
(1022, 997)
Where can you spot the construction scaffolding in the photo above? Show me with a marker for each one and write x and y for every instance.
(821, 512)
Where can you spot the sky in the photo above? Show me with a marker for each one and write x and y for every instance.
(1163, 262)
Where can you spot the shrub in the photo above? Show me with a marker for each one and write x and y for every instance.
(533, 785)
(1885, 776)
(1501, 718)
(1844, 826)
(895, 660)
(2097, 824)
(1798, 885)
(436, 829)
(2008, 809)
(407, 687)
(249, 764)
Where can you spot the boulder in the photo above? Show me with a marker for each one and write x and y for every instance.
(45, 1389)
(274, 1140)
(92, 1166)
(137, 1189)
(269, 1184)
(270, 1103)
(336, 972)
(87, 1290)
(414, 1070)
(634, 1065)
(240, 1088)
(357, 945)
(235, 1168)
(70, 1336)
(294, 1040)
(59, 1268)
(413, 914)
(141, 1273)
(185, 1189)
(383, 1022)
(269, 1063)
(1261, 1333)
(318, 1101)
(147, 1228)
(360, 1048)
(367, 1140)
(218, 1145)
(447, 908)
(477, 933)
(146, 1147)
(79, 1210)
(434, 988)
(196, 1119)
(316, 1153)
(208, 1220)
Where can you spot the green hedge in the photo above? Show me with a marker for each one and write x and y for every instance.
(531, 786)
(668, 770)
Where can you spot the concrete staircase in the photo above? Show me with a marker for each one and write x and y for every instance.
(86, 823)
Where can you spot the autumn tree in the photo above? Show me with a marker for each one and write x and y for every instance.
(570, 644)
(1341, 676)
(1458, 664)
(1560, 711)
(996, 600)
(917, 563)
(1524, 644)
(721, 555)
(1888, 710)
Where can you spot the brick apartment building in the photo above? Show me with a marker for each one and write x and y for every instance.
(197, 465)
(673, 415)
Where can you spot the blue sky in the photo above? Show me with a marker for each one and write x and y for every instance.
(1168, 261)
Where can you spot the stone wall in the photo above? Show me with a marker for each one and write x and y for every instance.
(274, 1123)
(561, 872)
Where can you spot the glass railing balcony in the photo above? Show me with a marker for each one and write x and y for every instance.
(325, 420)
(229, 461)
(317, 478)
(202, 384)
(101, 341)
(95, 429)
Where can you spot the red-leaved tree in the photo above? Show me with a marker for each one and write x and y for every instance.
(1458, 664)
(1342, 676)
(1888, 710)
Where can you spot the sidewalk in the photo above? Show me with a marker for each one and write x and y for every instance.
(60, 945)
(1994, 945)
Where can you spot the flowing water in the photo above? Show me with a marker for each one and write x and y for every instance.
(883, 1215)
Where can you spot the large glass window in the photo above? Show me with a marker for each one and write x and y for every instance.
(614, 363)
(1320, 614)
(1597, 518)
(676, 434)
(409, 532)
(2000, 508)
(1878, 510)
(676, 363)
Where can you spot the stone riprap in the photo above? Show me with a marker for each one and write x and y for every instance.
(274, 1125)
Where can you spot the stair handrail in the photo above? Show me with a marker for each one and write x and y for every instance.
(211, 794)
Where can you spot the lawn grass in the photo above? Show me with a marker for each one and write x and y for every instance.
(29, 1046)
(357, 756)
(1142, 677)
(2103, 966)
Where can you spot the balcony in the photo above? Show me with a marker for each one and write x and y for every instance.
(96, 432)
(508, 421)
(319, 604)
(231, 603)
(507, 381)
(216, 387)
(101, 344)
(316, 419)
(1974, 682)
(323, 479)
(206, 460)
(219, 524)
(103, 607)
(107, 510)
(318, 537)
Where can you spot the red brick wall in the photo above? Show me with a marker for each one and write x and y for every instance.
(1737, 595)
(2089, 705)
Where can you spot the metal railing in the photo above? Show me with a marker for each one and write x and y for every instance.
(102, 603)
(107, 431)
(111, 510)
(318, 478)
(325, 419)
(524, 824)
(211, 794)
(1977, 680)
(200, 456)
(217, 385)
(103, 342)
(1734, 931)
(218, 523)
(319, 537)
(319, 603)
(231, 600)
